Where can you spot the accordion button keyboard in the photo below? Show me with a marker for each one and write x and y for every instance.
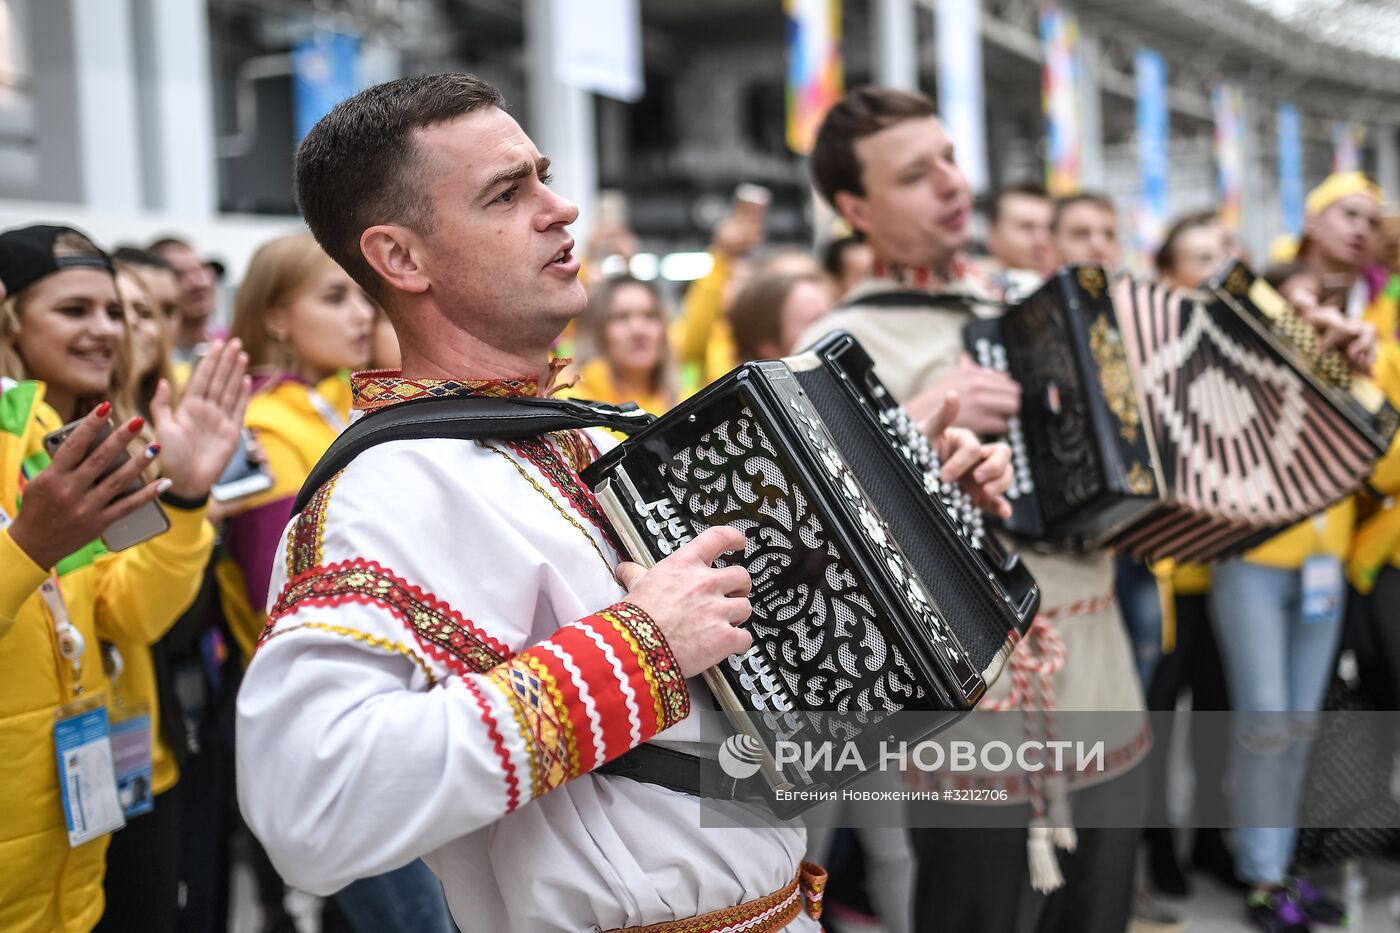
(993, 356)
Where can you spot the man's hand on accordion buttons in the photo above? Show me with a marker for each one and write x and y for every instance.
(984, 471)
(1355, 339)
(989, 399)
(697, 606)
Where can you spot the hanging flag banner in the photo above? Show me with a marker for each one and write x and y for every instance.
(325, 71)
(1227, 102)
(1059, 40)
(1154, 141)
(1347, 139)
(598, 46)
(814, 79)
(960, 79)
(1290, 167)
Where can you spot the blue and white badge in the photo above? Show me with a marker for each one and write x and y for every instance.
(87, 779)
(131, 754)
(1322, 589)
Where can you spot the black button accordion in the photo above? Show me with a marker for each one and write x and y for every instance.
(1175, 424)
(875, 588)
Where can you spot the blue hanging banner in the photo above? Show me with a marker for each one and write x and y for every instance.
(1290, 167)
(325, 71)
(1154, 142)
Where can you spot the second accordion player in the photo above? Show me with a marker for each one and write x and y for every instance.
(1175, 424)
(874, 589)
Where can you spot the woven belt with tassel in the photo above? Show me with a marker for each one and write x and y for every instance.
(760, 915)
(1037, 659)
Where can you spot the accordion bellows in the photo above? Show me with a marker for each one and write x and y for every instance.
(874, 589)
(1214, 420)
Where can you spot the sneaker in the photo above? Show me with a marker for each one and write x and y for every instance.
(1273, 911)
(1318, 907)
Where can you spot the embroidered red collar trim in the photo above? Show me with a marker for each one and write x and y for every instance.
(381, 388)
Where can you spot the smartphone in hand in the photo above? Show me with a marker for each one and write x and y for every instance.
(145, 523)
(245, 474)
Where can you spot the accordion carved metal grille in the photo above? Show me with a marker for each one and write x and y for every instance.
(810, 611)
(849, 616)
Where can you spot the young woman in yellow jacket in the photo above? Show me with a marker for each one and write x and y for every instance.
(142, 881)
(305, 323)
(1277, 613)
(62, 592)
(627, 357)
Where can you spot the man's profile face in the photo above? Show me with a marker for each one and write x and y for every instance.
(498, 253)
(1344, 234)
(196, 282)
(1020, 239)
(917, 203)
(1087, 233)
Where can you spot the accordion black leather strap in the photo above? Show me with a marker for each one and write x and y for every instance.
(471, 417)
(683, 772)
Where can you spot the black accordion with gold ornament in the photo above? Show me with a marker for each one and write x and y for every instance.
(875, 589)
(1175, 424)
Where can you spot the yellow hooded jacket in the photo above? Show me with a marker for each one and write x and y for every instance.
(133, 595)
(1377, 539)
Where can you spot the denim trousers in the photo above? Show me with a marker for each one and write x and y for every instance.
(1139, 598)
(1275, 662)
(405, 900)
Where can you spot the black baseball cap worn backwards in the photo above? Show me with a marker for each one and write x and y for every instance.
(27, 254)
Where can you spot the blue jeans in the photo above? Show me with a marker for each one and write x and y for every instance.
(1136, 589)
(405, 900)
(1274, 662)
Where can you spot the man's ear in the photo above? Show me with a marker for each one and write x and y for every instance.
(855, 210)
(394, 253)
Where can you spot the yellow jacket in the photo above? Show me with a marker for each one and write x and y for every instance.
(1328, 533)
(596, 384)
(701, 338)
(1377, 539)
(294, 424)
(133, 595)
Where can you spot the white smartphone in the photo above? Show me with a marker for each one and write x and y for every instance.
(145, 523)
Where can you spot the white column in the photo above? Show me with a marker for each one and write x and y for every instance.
(1090, 112)
(1388, 162)
(958, 28)
(561, 118)
(105, 74)
(894, 45)
(177, 100)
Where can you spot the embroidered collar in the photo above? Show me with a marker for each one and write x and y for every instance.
(380, 388)
(962, 276)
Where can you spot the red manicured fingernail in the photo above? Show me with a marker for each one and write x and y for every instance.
(136, 424)
(103, 410)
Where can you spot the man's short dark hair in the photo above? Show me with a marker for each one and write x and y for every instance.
(834, 254)
(861, 113)
(1026, 189)
(359, 165)
(1166, 253)
(135, 256)
(166, 242)
(1084, 197)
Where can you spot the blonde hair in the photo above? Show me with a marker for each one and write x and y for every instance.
(119, 387)
(281, 270)
(593, 329)
(143, 387)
